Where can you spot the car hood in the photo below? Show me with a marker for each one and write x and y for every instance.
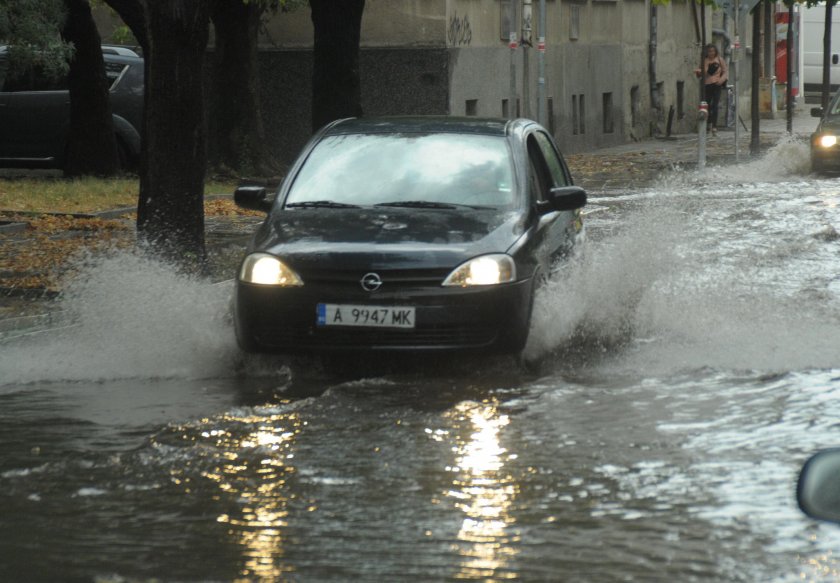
(831, 124)
(380, 238)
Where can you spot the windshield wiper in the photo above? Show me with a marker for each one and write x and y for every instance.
(327, 204)
(428, 204)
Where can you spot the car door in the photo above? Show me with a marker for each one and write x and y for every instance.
(4, 110)
(571, 221)
(35, 118)
(555, 230)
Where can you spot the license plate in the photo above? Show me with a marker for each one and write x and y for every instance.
(370, 316)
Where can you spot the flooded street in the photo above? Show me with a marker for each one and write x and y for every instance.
(679, 375)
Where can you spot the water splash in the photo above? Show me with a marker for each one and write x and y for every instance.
(707, 274)
(597, 297)
(133, 317)
(788, 158)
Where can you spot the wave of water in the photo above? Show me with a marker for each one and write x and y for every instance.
(132, 317)
(707, 271)
(703, 270)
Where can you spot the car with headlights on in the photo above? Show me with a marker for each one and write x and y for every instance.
(407, 234)
(825, 141)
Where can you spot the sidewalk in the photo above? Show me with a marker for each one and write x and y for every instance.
(637, 164)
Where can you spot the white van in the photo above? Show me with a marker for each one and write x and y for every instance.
(811, 44)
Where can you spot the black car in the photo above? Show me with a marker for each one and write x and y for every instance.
(407, 234)
(818, 488)
(35, 111)
(825, 141)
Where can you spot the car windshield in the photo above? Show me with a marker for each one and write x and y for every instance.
(834, 106)
(413, 170)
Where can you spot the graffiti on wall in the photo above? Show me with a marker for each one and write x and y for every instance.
(460, 31)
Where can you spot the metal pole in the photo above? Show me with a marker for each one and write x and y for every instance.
(736, 51)
(541, 101)
(702, 116)
(512, 44)
(526, 66)
(790, 55)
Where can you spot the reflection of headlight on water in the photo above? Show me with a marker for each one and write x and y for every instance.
(253, 467)
(828, 141)
(484, 493)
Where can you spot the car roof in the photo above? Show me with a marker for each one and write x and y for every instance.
(422, 125)
(119, 50)
(110, 52)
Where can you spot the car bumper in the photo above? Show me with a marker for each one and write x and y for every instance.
(284, 320)
(823, 158)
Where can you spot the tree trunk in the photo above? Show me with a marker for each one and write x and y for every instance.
(826, 68)
(755, 115)
(170, 211)
(91, 146)
(236, 123)
(336, 89)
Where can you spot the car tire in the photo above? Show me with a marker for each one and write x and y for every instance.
(124, 157)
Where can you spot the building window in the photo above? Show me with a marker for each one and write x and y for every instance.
(578, 115)
(574, 22)
(505, 108)
(518, 108)
(680, 99)
(582, 112)
(550, 109)
(507, 25)
(609, 121)
(472, 107)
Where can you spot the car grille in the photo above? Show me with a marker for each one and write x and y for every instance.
(391, 279)
(439, 336)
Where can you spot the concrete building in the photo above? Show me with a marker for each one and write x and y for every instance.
(453, 57)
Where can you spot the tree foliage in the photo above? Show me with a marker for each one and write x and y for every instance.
(32, 31)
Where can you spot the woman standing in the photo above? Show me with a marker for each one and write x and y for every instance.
(716, 75)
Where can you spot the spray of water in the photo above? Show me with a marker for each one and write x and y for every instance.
(701, 271)
(705, 272)
(131, 317)
(787, 159)
(595, 298)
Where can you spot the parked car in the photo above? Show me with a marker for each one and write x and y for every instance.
(35, 111)
(825, 141)
(407, 234)
(818, 489)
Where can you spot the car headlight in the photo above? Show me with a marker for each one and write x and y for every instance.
(484, 270)
(265, 269)
(827, 141)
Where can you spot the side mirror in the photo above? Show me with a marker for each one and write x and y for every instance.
(252, 198)
(563, 198)
(818, 490)
(816, 112)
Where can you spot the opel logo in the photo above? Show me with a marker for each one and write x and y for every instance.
(371, 282)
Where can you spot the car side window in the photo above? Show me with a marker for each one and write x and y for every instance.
(114, 72)
(539, 177)
(557, 170)
(4, 66)
(33, 78)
